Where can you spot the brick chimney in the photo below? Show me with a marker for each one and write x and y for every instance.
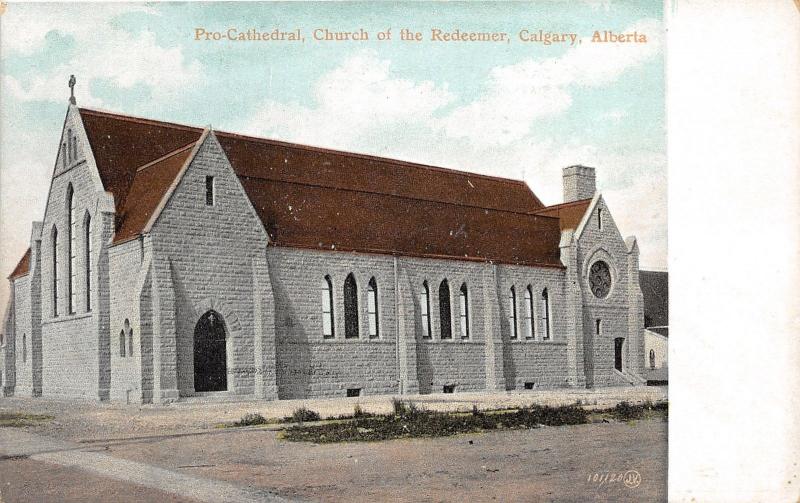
(579, 183)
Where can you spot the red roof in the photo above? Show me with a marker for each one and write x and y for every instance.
(569, 214)
(23, 266)
(313, 197)
(148, 187)
(122, 144)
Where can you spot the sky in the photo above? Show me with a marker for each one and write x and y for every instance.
(520, 110)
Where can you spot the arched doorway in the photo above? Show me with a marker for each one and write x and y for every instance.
(618, 353)
(210, 358)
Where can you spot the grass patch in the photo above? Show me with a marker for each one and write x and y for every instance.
(19, 420)
(408, 421)
(303, 415)
(300, 416)
(625, 411)
(252, 419)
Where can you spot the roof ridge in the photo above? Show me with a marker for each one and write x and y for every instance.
(374, 157)
(563, 205)
(317, 148)
(141, 120)
(166, 156)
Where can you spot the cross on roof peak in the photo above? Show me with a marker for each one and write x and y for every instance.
(72, 89)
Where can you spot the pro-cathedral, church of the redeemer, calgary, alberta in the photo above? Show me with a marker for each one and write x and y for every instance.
(176, 261)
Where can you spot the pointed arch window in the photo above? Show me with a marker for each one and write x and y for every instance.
(350, 307)
(425, 309)
(87, 259)
(55, 285)
(545, 314)
(372, 307)
(445, 322)
(74, 147)
(24, 348)
(327, 308)
(210, 195)
(72, 217)
(529, 324)
(64, 155)
(600, 218)
(512, 312)
(129, 336)
(69, 145)
(464, 310)
(122, 343)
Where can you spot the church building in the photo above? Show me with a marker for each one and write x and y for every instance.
(175, 261)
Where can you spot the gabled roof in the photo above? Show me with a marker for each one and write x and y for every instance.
(313, 197)
(662, 331)
(23, 266)
(569, 214)
(123, 144)
(149, 185)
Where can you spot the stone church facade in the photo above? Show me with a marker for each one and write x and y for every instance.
(175, 261)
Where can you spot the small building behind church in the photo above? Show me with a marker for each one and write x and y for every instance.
(655, 296)
(174, 261)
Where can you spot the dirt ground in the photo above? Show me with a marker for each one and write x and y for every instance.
(569, 463)
(545, 464)
(29, 481)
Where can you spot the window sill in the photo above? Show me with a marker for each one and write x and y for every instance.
(466, 340)
(539, 341)
(68, 317)
(352, 340)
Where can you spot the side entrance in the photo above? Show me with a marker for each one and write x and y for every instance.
(210, 358)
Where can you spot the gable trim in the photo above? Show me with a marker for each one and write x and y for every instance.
(88, 157)
(587, 215)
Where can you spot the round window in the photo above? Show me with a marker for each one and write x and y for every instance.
(600, 279)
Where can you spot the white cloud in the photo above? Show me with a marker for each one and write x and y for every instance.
(103, 52)
(604, 5)
(356, 98)
(518, 94)
(24, 26)
(615, 116)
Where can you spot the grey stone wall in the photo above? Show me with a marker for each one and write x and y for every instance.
(125, 264)
(605, 244)
(69, 341)
(307, 363)
(202, 259)
(23, 336)
(534, 360)
(311, 365)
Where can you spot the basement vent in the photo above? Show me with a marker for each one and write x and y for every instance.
(448, 388)
(530, 385)
(351, 392)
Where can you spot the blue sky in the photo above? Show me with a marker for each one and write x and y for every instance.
(521, 110)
